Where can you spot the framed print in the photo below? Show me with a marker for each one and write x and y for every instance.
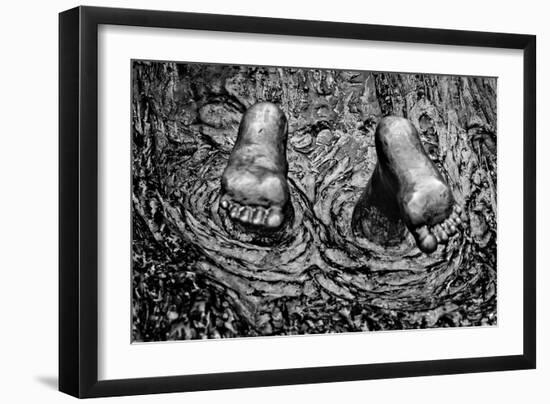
(251, 201)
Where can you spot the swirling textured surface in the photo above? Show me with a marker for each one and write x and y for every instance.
(193, 279)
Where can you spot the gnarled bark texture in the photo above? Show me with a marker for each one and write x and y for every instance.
(192, 280)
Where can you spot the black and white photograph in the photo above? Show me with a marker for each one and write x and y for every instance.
(280, 201)
(275, 202)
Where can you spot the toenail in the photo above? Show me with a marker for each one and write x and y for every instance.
(245, 214)
(274, 220)
(429, 244)
(258, 216)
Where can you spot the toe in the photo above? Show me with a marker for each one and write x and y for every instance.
(244, 214)
(455, 217)
(428, 244)
(224, 202)
(258, 216)
(425, 240)
(440, 234)
(274, 219)
(234, 212)
(451, 228)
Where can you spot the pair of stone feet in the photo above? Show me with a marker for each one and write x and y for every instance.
(405, 186)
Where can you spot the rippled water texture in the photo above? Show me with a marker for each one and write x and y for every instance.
(194, 279)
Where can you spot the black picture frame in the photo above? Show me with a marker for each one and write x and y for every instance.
(78, 201)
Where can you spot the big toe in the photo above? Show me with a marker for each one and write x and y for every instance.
(425, 240)
(428, 244)
(274, 219)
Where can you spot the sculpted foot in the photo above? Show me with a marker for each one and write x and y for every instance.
(254, 189)
(409, 185)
